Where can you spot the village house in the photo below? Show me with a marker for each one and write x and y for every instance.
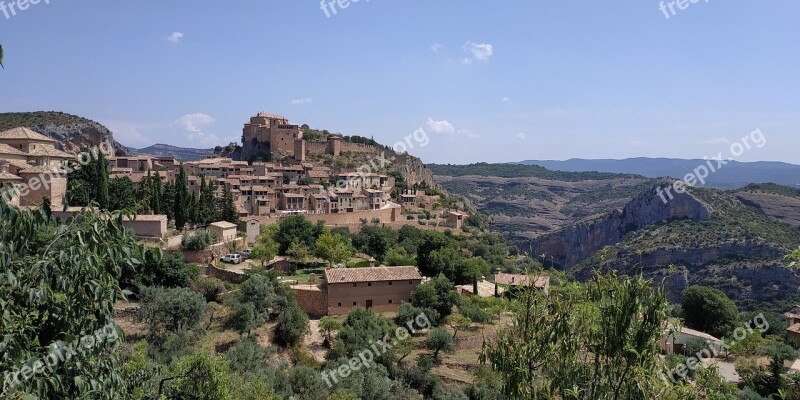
(541, 282)
(224, 231)
(793, 326)
(382, 289)
(674, 340)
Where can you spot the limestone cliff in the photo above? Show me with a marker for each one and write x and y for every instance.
(73, 133)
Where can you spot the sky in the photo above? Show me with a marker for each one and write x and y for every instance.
(497, 81)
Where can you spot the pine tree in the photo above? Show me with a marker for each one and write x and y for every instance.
(181, 205)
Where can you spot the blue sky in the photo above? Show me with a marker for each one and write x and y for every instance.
(488, 81)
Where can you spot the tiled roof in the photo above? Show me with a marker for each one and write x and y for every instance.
(43, 169)
(49, 151)
(376, 274)
(6, 149)
(520, 280)
(317, 174)
(8, 177)
(698, 334)
(24, 133)
(223, 225)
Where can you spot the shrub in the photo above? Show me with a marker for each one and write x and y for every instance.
(211, 288)
(198, 241)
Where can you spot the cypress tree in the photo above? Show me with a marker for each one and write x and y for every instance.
(181, 207)
(156, 193)
(103, 198)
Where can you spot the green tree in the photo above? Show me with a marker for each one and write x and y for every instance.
(181, 204)
(439, 340)
(328, 325)
(199, 376)
(170, 309)
(292, 326)
(458, 322)
(437, 294)
(227, 210)
(399, 256)
(596, 341)
(359, 330)
(298, 252)
(264, 251)
(124, 194)
(167, 201)
(103, 198)
(57, 284)
(709, 310)
(297, 228)
(307, 384)
(430, 241)
(334, 248)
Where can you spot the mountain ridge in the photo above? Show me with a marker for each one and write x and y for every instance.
(734, 174)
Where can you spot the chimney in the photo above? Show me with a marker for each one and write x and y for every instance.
(4, 167)
(372, 263)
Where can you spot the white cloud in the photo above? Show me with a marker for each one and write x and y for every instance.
(720, 140)
(440, 127)
(303, 100)
(130, 133)
(192, 126)
(520, 136)
(468, 134)
(479, 51)
(175, 37)
(436, 47)
(507, 100)
(466, 61)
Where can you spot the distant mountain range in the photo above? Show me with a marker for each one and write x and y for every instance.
(180, 153)
(730, 176)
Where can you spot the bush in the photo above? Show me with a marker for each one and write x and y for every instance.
(198, 241)
(211, 288)
(292, 326)
(170, 309)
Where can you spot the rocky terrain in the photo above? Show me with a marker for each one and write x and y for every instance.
(72, 132)
(732, 240)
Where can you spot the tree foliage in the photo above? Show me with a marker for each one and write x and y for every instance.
(58, 283)
(709, 310)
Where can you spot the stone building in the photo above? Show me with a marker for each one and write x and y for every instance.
(269, 133)
(382, 289)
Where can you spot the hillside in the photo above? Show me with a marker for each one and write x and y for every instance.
(732, 240)
(733, 175)
(180, 153)
(73, 133)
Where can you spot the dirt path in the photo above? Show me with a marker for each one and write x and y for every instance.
(313, 341)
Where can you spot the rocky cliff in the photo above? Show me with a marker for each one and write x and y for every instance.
(72, 132)
(574, 244)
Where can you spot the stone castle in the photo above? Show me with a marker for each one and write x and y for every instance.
(273, 135)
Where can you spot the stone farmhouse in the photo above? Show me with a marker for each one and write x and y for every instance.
(382, 289)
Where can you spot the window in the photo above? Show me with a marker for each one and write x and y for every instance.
(369, 284)
(355, 285)
(355, 303)
(390, 301)
(410, 282)
(340, 304)
(390, 283)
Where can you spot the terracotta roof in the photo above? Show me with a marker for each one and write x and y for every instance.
(43, 169)
(224, 225)
(317, 174)
(521, 280)
(142, 217)
(698, 334)
(376, 274)
(49, 151)
(6, 149)
(6, 177)
(794, 328)
(24, 133)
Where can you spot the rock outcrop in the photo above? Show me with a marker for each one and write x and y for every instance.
(572, 245)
